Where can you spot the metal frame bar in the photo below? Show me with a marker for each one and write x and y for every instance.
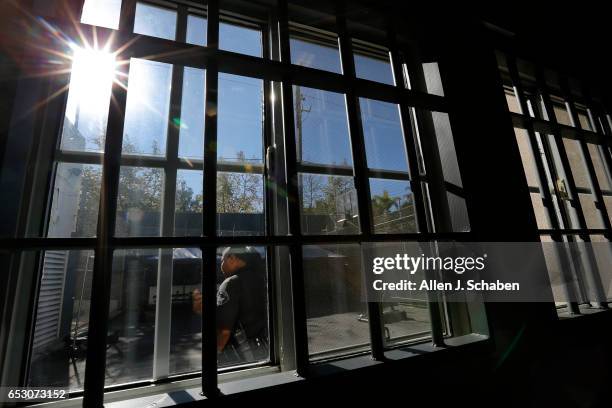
(361, 180)
(101, 279)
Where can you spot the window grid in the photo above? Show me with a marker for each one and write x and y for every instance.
(215, 61)
(537, 128)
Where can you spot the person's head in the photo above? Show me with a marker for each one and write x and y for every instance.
(233, 259)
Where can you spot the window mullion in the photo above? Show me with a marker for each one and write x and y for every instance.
(297, 274)
(101, 279)
(209, 210)
(362, 182)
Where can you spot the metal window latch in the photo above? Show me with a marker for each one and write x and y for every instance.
(562, 190)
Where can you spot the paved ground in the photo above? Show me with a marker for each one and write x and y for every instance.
(130, 357)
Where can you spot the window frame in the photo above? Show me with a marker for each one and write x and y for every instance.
(433, 224)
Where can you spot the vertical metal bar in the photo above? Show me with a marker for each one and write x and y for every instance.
(295, 249)
(101, 279)
(209, 261)
(410, 137)
(163, 313)
(362, 182)
(548, 198)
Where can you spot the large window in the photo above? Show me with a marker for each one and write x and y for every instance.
(565, 151)
(193, 191)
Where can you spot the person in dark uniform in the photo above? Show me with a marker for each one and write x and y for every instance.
(242, 315)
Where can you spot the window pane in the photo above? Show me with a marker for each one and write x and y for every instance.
(240, 119)
(405, 316)
(191, 131)
(131, 325)
(433, 80)
(88, 101)
(384, 140)
(102, 13)
(511, 100)
(328, 204)
(446, 147)
(601, 169)
(186, 323)
(188, 207)
(315, 52)
(146, 112)
(240, 39)
(577, 164)
(76, 198)
(373, 64)
(583, 118)
(59, 345)
(196, 30)
(541, 213)
(560, 111)
(139, 201)
(591, 213)
(321, 127)
(155, 21)
(242, 305)
(527, 156)
(392, 206)
(240, 204)
(336, 315)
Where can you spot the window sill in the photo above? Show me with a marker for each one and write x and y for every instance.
(188, 391)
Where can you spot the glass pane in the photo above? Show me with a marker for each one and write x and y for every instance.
(102, 13)
(602, 171)
(337, 319)
(583, 118)
(59, 345)
(446, 147)
(191, 131)
(527, 157)
(88, 101)
(76, 198)
(577, 163)
(560, 110)
(392, 206)
(155, 21)
(591, 213)
(131, 326)
(240, 39)
(541, 213)
(433, 80)
(608, 204)
(186, 322)
(240, 204)
(196, 30)
(405, 317)
(139, 201)
(458, 211)
(321, 127)
(146, 112)
(240, 119)
(188, 206)
(328, 204)
(242, 305)
(373, 64)
(384, 140)
(511, 100)
(314, 52)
